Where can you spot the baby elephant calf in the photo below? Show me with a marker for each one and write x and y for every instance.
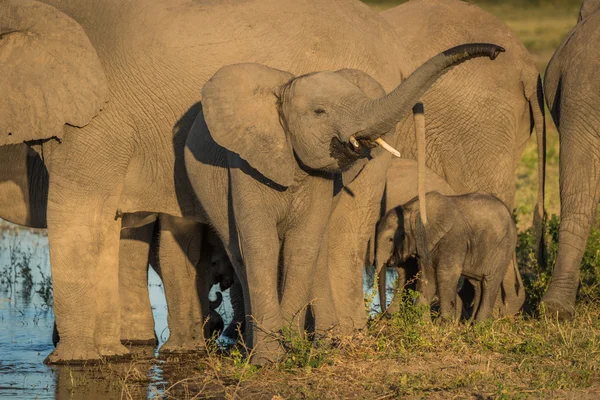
(472, 235)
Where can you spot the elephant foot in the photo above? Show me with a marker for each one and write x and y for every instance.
(174, 345)
(140, 342)
(556, 308)
(73, 354)
(267, 351)
(139, 337)
(114, 351)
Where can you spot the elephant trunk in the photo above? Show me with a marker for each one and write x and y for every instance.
(215, 304)
(381, 115)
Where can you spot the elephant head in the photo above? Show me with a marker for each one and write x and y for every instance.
(587, 8)
(322, 121)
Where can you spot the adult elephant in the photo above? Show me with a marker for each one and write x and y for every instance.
(104, 91)
(161, 240)
(478, 118)
(573, 95)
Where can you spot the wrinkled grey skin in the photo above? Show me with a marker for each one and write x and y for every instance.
(401, 187)
(119, 92)
(478, 118)
(573, 96)
(472, 235)
(263, 205)
(23, 201)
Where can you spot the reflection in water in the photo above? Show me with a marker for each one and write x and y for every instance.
(26, 321)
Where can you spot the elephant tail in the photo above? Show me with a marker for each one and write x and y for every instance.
(419, 118)
(536, 102)
(421, 236)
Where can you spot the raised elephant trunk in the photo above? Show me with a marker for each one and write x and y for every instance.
(381, 115)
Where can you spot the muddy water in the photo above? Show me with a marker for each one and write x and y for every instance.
(26, 321)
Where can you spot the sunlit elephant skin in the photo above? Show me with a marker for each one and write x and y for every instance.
(478, 117)
(124, 77)
(472, 235)
(116, 102)
(572, 94)
(263, 157)
(23, 201)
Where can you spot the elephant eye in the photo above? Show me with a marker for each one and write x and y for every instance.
(390, 239)
(319, 111)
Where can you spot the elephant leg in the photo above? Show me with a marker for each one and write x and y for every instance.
(489, 292)
(179, 246)
(394, 306)
(137, 322)
(579, 196)
(260, 250)
(83, 235)
(302, 243)
(84, 258)
(322, 306)
(513, 291)
(447, 282)
(426, 286)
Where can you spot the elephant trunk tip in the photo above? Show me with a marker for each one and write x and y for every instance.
(471, 50)
(494, 52)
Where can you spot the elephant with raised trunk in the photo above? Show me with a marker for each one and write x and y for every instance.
(263, 157)
(573, 96)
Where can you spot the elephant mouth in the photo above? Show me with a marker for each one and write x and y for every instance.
(345, 153)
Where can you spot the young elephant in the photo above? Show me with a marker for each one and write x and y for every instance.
(472, 235)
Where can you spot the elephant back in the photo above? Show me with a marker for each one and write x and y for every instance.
(572, 71)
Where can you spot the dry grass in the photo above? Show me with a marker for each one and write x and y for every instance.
(404, 357)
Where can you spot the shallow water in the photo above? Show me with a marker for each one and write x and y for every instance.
(26, 331)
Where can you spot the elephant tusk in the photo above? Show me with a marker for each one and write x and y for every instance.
(387, 147)
(354, 142)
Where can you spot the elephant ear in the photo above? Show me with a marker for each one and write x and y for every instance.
(50, 75)
(241, 111)
(374, 90)
(441, 215)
